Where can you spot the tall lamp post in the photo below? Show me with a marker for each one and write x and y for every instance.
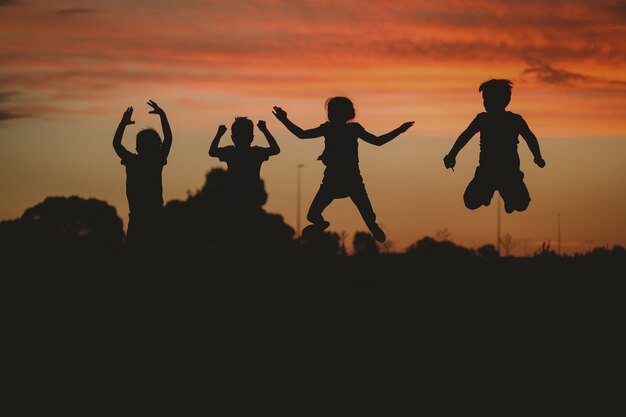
(558, 232)
(298, 229)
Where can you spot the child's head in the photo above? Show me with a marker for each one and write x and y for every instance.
(242, 132)
(148, 142)
(496, 94)
(340, 109)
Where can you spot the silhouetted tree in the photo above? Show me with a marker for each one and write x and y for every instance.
(206, 221)
(429, 247)
(619, 251)
(545, 251)
(488, 251)
(508, 243)
(324, 244)
(364, 244)
(64, 223)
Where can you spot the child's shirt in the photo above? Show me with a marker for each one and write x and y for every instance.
(144, 188)
(498, 140)
(341, 145)
(244, 164)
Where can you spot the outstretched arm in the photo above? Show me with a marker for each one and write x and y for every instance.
(274, 149)
(532, 142)
(119, 133)
(450, 159)
(167, 131)
(387, 137)
(295, 129)
(215, 150)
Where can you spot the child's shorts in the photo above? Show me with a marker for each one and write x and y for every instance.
(341, 182)
(510, 185)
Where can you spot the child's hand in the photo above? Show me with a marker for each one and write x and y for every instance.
(279, 113)
(126, 117)
(155, 108)
(221, 130)
(261, 125)
(540, 162)
(406, 126)
(449, 161)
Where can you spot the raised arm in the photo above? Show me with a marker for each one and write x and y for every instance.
(215, 150)
(274, 149)
(119, 133)
(167, 131)
(449, 160)
(387, 137)
(532, 142)
(295, 129)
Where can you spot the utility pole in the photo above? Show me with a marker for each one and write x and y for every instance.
(558, 232)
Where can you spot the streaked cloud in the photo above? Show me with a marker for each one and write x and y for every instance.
(73, 11)
(301, 49)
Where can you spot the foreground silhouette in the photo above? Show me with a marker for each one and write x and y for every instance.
(342, 176)
(144, 188)
(499, 164)
(206, 223)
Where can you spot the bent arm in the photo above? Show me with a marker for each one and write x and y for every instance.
(215, 150)
(387, 137)
(274, 149)
(301, 133)
(531, 140)
(167, 135)
(120, 150)
(465, 137)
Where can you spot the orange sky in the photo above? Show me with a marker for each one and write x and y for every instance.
(69, 68)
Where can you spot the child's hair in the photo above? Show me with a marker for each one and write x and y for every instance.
(497, 92)
(148, 141)
(242, 131)
(340, 109)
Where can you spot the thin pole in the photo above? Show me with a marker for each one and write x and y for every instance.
(558, 228)
(498, 224)
(298, 202)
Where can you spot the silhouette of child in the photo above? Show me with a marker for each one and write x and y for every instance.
(499, 164)
(144, 188)
(244, 161)
(342, 176)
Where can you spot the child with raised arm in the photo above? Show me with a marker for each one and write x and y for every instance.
(499, 163)
(244, 161)
(144, 188)
(342, 176)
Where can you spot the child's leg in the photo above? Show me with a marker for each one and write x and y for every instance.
(361, 200)
(515, 195)
(478, 192)
(321, 200)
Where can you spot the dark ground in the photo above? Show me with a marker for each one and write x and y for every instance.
(513, 329)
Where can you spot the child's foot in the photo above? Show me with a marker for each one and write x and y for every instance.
(315, 228)
(377, 232)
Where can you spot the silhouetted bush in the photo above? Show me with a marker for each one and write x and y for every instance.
(64, 224)
(207, 220)
(488, 251)
(431, 248)
(364, 244)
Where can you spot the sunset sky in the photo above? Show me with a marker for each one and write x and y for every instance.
(68, 70)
